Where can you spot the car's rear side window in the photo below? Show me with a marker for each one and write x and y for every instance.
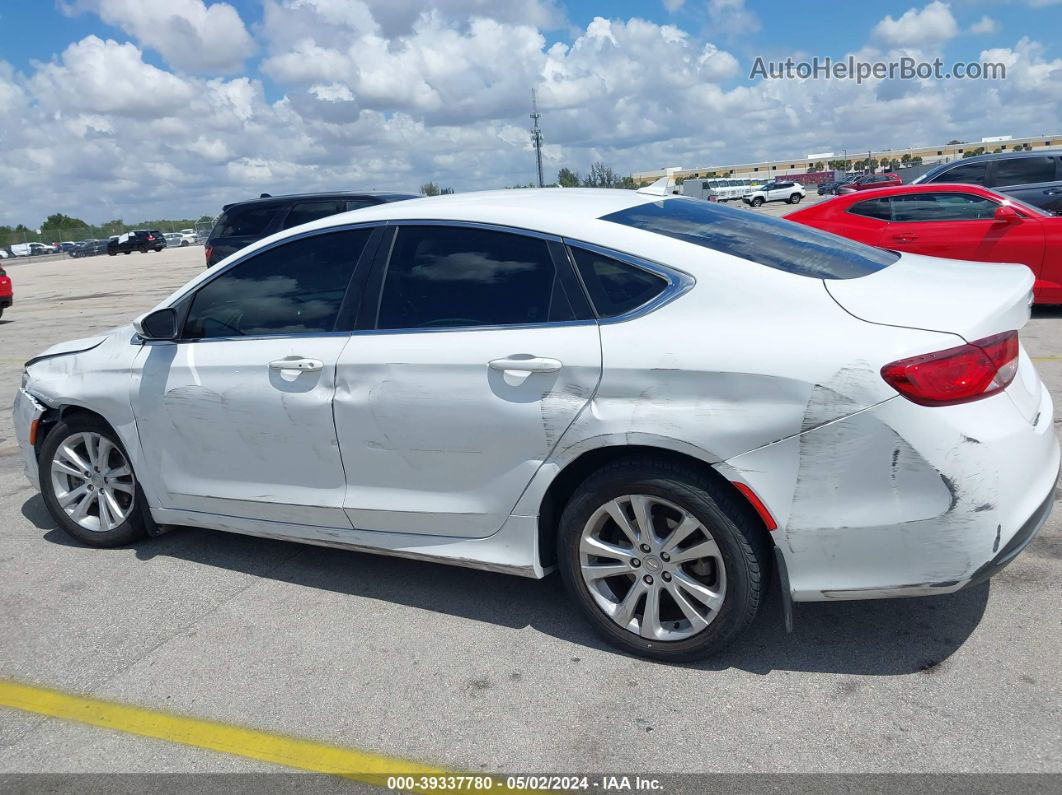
(304, 212)
(880, 209)
(615, 287)
(244, 222)
(783, 245)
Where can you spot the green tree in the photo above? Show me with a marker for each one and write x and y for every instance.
(429, 189)
(59, 225)
(567, 178)
(600, 176)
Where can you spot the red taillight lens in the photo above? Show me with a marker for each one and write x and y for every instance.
(208, 250)
(956, 375)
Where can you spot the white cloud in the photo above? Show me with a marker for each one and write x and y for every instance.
(731, 18)
(106, 77)
(984, 25)
(189, 34)
(932, 25)
(100, 133)
(673, 5)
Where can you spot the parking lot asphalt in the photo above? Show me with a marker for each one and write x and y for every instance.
(474, 670)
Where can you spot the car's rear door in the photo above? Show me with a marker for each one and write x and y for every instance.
(235, 417)
(479, 354)
(962, 226)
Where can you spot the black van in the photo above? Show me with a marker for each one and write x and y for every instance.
(1033, 177)
(243, 223)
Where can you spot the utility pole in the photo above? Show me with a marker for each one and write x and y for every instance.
(536, 137)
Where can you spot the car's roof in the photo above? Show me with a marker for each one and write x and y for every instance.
(993, 156)
(287, 198)
(934, 187)
(544, 209)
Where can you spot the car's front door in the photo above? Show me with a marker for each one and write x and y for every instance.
(480, 354)
(235, 417)
(963, 226)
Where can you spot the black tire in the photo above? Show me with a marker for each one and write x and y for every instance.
(127, 253)
(1, 311)
(757, 201)
(794, 199)
(112, 253)
(740, 538)
(132, 529)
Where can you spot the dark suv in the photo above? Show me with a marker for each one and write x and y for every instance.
(142, 240)
(1033, 177)
(243, 223)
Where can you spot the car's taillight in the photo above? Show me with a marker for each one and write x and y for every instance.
(208, 250)
(957, 375)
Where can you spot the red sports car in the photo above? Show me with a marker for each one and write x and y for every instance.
(6, 294)
(965, 222)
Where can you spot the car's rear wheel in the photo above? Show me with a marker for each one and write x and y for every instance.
(757, 201)
(794, 199)
(127, 253)
(89, 485)
(662, 560)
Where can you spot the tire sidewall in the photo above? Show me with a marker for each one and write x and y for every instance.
(732, 617)
(131, 529)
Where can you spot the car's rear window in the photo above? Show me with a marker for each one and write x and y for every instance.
(783, 245)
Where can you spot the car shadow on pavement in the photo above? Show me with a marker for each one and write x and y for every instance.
(881, 637)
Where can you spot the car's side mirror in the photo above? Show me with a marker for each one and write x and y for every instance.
(1007, 215)
(158, 325)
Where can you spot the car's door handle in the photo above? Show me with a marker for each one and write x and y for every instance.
(297, 363)
(528, 364)
(1052, 191)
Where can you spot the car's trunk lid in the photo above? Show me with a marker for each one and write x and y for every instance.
(971, 299)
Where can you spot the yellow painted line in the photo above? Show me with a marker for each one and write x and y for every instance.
(292, 752)
(1046, 358)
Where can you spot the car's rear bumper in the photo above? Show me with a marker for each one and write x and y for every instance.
(904, 500)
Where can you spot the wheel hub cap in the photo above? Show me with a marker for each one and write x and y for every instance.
(652, 567)
(92, 481)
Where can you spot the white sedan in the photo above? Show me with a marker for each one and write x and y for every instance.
(673, 403)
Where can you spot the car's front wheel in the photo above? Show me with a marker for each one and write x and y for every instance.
(662, 560)
(757, 201)
(89, 485)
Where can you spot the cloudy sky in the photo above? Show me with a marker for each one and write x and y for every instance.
(147, 108)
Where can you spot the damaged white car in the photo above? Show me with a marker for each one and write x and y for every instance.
(674, 403)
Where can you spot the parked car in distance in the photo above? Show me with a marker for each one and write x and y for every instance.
(243, 223)
(175, 240)
(779, 191)
(960, 222)
(189, 236)
(517, 380)
(830, 188)
(1033, 177)
(142, 240)
(7, 294)
(31, 249)
(870, 181)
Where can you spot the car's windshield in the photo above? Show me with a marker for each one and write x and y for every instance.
(778, 244)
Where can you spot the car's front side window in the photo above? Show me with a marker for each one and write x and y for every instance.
(450, 277)
(293, 288)
(925, 207)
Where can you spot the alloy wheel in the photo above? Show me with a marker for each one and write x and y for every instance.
(93, 482)
(652, 567)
